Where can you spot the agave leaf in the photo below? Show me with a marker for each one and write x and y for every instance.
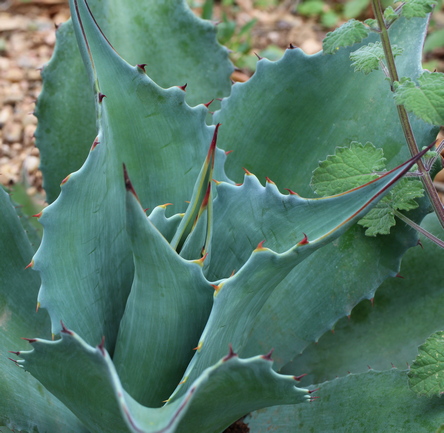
(85, 258)
(165, 313)
(85, 379)
(387, 404)
(153, 35)
(24, 403)
(410, 307)
(240, 298)
(301, 107)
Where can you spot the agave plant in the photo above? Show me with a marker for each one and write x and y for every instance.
(185, 317)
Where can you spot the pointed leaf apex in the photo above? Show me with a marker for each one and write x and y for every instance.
(128, 184)
(267, 357)
(304, 240)
(231, 353)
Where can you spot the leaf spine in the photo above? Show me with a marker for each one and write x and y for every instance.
(31, 264)
(141, 66)
(95, 143)
(304, 240)
(292, 192)
(231, 353)
(37, 307)
(65, 180)
(38, 215)
(298, 378)
(246, 171)
(209, 103)
(184, 87)
(260, 246)
(199, 346)
(101, 346)
(128, 184)
(29, 340)
(269, 181)
(267, 356)
(64, 329)
(101, 96)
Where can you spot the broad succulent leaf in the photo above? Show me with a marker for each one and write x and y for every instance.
(405, 311)
(239, 299)
(85, 379)
(302, 107)
(153, 343)
(375, 401)
(148, 33)
(142, 126)
(24, 404)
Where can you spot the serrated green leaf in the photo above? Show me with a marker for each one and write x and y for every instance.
(352, 166)
(404, 312)
(334, 106)
(417, 8)
(426, 99)
(379, 220)
(150, 33)
(85, 379)
(390, 15)
(348, 168)
(348, 34)
(382, 217)
(24, 403)
(426, 375)
(147, 353)
(368, 57)
(371, 402)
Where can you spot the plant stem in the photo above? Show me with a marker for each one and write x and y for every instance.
(417, 227)
(402, 113)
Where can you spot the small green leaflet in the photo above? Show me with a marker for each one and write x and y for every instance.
(390, 15)
(348, 168)
(425, 100)
(417, 8)
(368, 57)
(381, 218)
(426, 375)
(355, 165)
(348, 34)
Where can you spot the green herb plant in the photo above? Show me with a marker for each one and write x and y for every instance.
(182, 279)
